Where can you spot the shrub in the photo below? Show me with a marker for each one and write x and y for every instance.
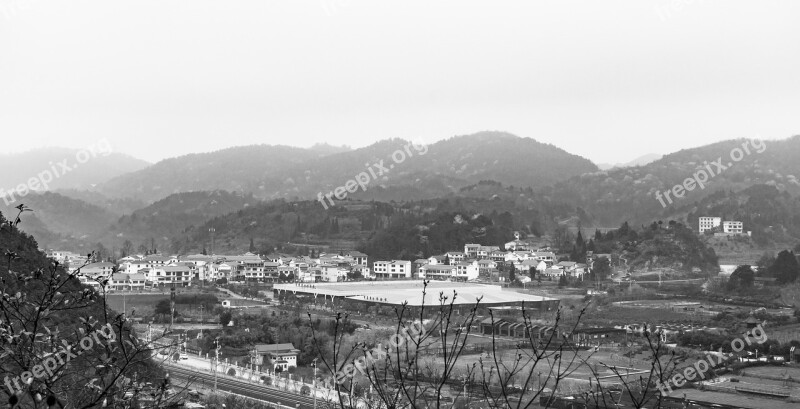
(232, 372)
(305, 390)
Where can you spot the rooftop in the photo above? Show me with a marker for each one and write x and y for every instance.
(397, 292)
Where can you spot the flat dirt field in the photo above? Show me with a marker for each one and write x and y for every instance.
(773, 372)
(581, 365)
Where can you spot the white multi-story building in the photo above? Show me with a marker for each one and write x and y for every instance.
(437, 272)
(732, 227)
(392, 269)
(708, 223)
(467, 271)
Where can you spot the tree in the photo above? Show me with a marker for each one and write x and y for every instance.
(252, 247)
(127, 248)
(100, 253)
(562, 281)
(225, 318)
(163, 307)
(741, 278)
(785, 267)
(512, 273)
(47, 312)
(601, 268)
(532, 272)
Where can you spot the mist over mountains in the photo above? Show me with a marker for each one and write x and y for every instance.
(271, 172)
(539, 187)
(69, 168)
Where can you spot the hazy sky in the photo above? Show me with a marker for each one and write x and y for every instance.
(608, 80)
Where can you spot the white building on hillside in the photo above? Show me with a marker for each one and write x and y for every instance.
(708, 223)
(733, 227)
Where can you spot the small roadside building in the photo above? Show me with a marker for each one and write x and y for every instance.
(281, 356)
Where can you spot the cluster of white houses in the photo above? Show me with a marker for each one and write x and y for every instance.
(139, 272)
(482, 261)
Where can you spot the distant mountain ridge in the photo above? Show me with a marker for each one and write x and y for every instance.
(640, 161)
(68, 168)
(629, 194)
(271, 172)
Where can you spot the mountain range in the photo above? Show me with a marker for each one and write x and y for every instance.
(539, 186)
(272, 172)
(64, 168)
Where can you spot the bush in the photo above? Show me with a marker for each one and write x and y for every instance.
(267, 380)
(232, 372)
(305, 390)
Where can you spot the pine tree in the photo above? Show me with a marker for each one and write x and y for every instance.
(785, 268)
(252, 246)
(512, 273)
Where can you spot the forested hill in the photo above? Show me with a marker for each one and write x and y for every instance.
(24, 251)
(657, 246)
(420, 171)
(629, 194)
(485, 213)
(772, 215)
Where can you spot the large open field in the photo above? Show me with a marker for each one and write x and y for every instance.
(143, 303)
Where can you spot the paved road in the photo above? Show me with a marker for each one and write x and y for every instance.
(242, 388)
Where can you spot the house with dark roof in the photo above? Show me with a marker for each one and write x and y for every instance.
(358, 257)
(281, 356)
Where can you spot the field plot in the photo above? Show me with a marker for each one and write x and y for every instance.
(143, 303)
(785, 333)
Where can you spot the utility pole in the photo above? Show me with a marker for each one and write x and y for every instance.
(315, 382)
(216, 362)
(201, 320)
(172, 305)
